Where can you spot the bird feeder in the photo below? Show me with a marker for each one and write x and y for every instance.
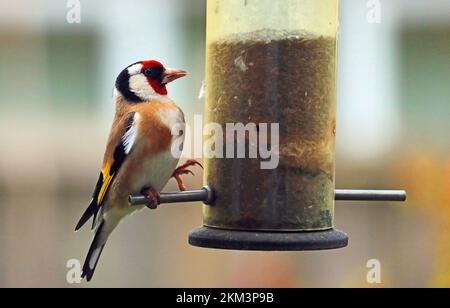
(273, 62)
(271, 68)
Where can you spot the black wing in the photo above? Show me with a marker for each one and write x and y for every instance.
(110, 170)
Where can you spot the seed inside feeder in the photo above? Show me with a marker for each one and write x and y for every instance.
(275, 77)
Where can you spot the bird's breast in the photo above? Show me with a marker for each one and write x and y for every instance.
(172, 118)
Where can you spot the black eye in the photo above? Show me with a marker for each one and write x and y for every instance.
(148, 72)
(154, 73)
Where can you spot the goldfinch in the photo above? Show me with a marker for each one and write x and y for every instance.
(138, 157)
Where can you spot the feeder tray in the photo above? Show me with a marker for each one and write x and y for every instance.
(268, 241)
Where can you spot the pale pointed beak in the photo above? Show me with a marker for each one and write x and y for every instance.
(171, 74)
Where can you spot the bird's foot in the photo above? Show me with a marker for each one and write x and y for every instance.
(183, 170)
(153, 196)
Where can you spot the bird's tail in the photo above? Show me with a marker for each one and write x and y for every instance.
(95, 251)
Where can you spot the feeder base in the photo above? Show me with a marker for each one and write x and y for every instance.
(267, 241)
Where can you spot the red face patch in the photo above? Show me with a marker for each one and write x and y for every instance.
(154, 71)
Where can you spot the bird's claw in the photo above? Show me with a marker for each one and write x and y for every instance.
(189, 163)
(153, 196)
(183, 170)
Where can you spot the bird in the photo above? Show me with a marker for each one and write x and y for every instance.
(138, 157)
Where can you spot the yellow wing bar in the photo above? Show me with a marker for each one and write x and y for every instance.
(107, 179)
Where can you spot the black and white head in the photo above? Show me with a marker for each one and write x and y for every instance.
(145, 81)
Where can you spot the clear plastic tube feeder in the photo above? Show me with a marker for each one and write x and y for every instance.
(271, 66)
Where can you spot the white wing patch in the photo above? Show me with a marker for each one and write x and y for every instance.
(130, 136)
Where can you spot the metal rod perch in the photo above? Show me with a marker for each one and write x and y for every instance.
(206, 195)
(370, 195)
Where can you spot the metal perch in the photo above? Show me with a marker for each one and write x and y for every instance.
(370, 195)
(206, 195)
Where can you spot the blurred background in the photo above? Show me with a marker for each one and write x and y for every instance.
(56, 107)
